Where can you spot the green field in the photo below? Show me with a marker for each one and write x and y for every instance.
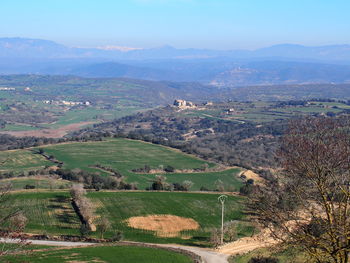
(21, 160)
(109, 99)
(38, 182)
(124, 155)
(52, 213)
(203, 208)
(108, 254)
(260, 112)
(47, 212)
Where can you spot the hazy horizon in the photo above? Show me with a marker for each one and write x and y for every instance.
(110, 46)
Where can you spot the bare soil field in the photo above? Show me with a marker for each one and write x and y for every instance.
(49, 133)
(163, 225)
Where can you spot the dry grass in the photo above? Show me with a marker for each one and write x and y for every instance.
(251, 175)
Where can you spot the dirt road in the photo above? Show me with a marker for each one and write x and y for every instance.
(209, 256)
(247, 244)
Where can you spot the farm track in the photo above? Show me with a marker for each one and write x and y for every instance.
(209, 256)
(247, 244)
(241, 246)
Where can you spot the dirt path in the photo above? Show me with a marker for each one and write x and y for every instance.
(50, 133)
(247, 244)
(241, 246)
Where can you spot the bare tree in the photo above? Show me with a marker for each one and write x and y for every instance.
(12, 223)
(103, 225)
(308, 205)
(84, 205)
(187, 184)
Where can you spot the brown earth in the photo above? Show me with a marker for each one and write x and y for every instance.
(49, 133)
(247, 244)
(163, 225)
(251, 175)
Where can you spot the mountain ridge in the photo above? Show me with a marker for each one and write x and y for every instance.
(41, 48)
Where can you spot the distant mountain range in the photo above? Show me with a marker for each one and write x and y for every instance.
(279, 64)
(38, 48)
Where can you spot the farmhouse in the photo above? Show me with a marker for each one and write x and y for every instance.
(183, 104)
(5, 88)
(230, 111)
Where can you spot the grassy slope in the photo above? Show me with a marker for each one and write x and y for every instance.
(108, 254)
(47, 212)
(204, 208)
(125, 155)
(39, 183)
(22, 160)
(52, 212)
(121, 154)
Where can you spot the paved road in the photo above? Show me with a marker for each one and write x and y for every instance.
(209, 256)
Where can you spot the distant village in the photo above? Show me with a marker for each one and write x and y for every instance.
(67, 103)
(5, 88)
(13, 89)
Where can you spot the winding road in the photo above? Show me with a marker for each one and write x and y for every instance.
(209, 256)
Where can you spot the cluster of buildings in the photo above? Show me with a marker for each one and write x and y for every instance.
(6, 88)
(183, 104)
(67, 103)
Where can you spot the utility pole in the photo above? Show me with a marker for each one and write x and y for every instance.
(222, 199)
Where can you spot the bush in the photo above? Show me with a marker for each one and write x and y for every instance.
(117, 236)
(29, 186)
(261, 259)
(246, 189)
(169, 169)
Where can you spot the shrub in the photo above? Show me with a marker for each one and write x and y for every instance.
(261, 259)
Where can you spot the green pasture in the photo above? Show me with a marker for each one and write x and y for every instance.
(38, 182)
(52, 213)
(21, 160)
(108, 254)
(47, 212)
(203, 208)
(125, 155)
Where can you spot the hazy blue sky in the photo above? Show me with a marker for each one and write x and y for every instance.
(220, 24)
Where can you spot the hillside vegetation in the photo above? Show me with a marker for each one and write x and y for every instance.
(244, 134)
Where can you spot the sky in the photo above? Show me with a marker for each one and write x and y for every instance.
(214, 24)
